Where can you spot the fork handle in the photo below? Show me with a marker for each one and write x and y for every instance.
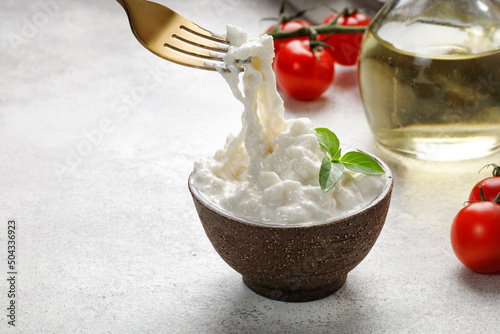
(126, 3)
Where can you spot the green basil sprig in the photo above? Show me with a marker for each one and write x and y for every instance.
(334, 163)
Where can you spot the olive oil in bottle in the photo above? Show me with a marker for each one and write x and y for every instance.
(437, 99)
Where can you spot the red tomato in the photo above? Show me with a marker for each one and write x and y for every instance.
(490, 185)
(491, 189)
(475, 236)
(288, 26)
(345, 47)
(301, 73)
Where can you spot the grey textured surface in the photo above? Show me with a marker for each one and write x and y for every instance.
(97, 139)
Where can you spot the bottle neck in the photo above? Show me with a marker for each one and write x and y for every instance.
(440, 27)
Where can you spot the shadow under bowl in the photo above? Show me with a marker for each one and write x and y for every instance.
(294, 263)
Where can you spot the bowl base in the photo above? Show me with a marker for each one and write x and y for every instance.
(296, 295)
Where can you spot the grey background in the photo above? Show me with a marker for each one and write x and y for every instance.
(97, 139)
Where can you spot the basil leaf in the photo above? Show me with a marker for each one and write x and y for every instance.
(361, 163)
(329, 141)
(330, 173)
(337, 156)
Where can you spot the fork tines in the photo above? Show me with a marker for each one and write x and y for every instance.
(199, 43)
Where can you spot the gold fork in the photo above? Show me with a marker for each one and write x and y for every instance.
(173, 37)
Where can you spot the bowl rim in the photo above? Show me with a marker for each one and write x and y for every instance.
(389, 180)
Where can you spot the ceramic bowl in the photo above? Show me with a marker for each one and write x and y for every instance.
(294, 263)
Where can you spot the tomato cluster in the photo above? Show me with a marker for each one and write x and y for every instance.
(475, 232)
(345, 47)
(304, 69)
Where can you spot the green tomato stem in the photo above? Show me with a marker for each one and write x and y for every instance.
(497, 199)
(481, 193)
(330, 28)
(319, 29)
(496, 170)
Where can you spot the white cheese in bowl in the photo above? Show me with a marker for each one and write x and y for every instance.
(269, 171)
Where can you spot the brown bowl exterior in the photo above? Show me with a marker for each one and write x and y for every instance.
(294, 263)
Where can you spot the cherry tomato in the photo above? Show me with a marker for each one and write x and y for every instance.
(345, 47)
(288, 26)
(475, 236)
(490, 185)
(491, 189)
(301, 73)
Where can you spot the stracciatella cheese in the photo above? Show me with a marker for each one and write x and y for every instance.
(269, 171)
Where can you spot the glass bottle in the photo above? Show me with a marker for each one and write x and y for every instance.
(429, 75)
